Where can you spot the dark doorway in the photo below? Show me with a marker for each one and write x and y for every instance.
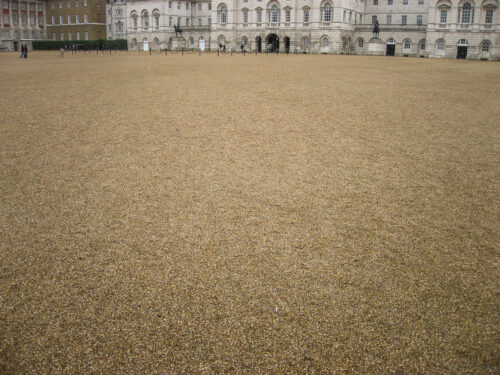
(273, 43)
(287, 44)
(258, 44)
(16, 46)
(391, 48)
(461, 52)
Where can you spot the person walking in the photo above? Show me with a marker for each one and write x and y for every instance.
(25, 51)
(22, 52)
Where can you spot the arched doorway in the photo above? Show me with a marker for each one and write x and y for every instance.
(273, 43)
(201, 44)
(145, 44)
(258, 44)
(287, 44)
(391, 47)
(462, 49)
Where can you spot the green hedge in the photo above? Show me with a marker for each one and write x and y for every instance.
(120, 44)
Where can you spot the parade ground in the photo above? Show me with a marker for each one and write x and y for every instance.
(167, 214)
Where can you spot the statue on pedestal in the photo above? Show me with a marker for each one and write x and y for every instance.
(375, 29)
(178, 30)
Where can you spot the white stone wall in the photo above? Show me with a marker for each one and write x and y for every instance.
(351, 21)
(116, 18)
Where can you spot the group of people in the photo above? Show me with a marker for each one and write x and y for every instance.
(24, 51)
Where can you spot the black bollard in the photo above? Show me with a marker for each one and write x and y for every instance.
(182, 51)
(110, 51)
(217, 52)
(166, 51)
(150, 52)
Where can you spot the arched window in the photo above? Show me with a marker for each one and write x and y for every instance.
(324, 42)
(134, 21)
(440, 45)
(134, 42)
(145, 20)
(244, 40)
(156, 15)
(327, 13)
(274, 13)
(245, 15)
(391, 41)
(191, 41)
(156, 42)
(360, 43)
(466, 13)
(223, 14)
(485, 47)
(407, 44)
(305, 41)
(463, 42)
(422, 44)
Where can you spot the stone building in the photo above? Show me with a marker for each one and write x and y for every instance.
(21, 23)
(74, 20)
(426, 28)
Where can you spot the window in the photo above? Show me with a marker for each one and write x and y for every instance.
(39, 6)
(70, 36)
(23, 19)
(327, 13)
(419, 20)
(444, 16)
(53, 5)
(6, 19)
(40, 20)
(119, 26)
(169, 21)
(60, 4)
(61, 35)
(407, 44)
(61, 20)
(69, 20)
(466, 13)
(403, 20)
(199, 6)
(53, 20)
(305, 41)
(145, 20)
(374, 18)
(69, 5)
(389, 19)
(489, 16)
(360, 18)
(109, 27)
(33, 36)
(324, 42)
(274, 14)
(109, 12)
(157, 21)
(245, 16)
(486, 47)
(422, 44)
(178, 21)
(5, 5)
(360, 43)
(389, 2)
(178, 5)
(350, 17)
(259, 16)
(32, 19)
(86, 35)
(287, 16)
(53, 36)
(32, 6)
(118, 12)
(440, 45)
(209, 21)
(14, 18)
(210, 6)
(306, 15)
(85, 18)
(343, 16)
(77, 18)
(170, 4)
(77, 4)
(134, 21)
(187, 6)
(405, 2)
(14, 5)
(375, 2)
(85, 4)
(187, 21)
(421, 2)
(42, 36)
(7, 34)
(199, 21)
(78, 35)
(223, 15)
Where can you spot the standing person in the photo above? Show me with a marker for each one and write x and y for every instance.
(25, 51)
(22, 52)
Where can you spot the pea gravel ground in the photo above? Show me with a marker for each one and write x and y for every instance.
(260, 215)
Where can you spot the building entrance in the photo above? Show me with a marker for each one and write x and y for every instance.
(287, 44)
(273, 43)
(258, 44)
(391, 49)
(461, 52)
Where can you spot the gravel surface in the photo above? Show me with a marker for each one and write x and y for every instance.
(258, 214)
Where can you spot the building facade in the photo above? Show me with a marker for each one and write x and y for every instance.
(21, 23)
(427, 28)
(74, 20)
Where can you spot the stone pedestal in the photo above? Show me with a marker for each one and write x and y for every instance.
(178, 42)
(376, 47)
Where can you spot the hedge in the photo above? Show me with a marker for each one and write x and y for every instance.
(120, 44)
